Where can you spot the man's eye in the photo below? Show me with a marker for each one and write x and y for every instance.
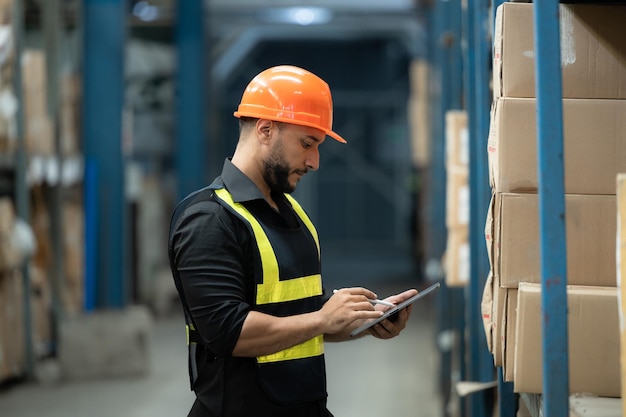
(306, 144)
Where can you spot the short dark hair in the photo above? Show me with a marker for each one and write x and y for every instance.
(247, 122)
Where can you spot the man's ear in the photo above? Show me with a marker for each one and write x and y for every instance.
(263, 129)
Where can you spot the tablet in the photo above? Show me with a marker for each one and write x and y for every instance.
(395, 309)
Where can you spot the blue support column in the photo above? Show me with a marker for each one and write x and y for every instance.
(191, 158)
(480, 363)
(551, 209)
(103, 86)
(445, 57)
(508, 401)
(446, 60)
(90, 295)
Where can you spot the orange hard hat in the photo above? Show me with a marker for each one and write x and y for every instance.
(290, 94)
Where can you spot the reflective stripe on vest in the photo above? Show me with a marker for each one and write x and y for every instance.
(189, 328)
(309, 224)
(272, 290)
(192, 335)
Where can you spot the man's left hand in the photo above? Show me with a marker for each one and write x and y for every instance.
(387, 329)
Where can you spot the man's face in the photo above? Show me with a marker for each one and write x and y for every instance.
(294, 151)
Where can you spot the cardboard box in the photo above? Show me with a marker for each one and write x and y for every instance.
(12, 359)
(587, 406)
(38, 126)
(10, 256)
(457, 258)
(508, 334)
(486, 311)
(590, 222)
(6, 12)
(74, 244)
(621, 273)
(489, 231)
(69, 114)
(418, 110)
(418, 76)
(457, 139)
(593, 333)
(593, 51)
(594, 145)
(457, 197)
(499, 310)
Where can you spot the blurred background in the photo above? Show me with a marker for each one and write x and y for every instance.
(111, 111)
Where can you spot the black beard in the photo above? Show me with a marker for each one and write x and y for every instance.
(276, 175)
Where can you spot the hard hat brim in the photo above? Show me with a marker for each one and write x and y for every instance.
(330, 133)
(337, 137)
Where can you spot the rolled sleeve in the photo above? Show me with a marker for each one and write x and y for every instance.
(210, 261)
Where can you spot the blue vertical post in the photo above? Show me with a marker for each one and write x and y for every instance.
(191, 112)
(435, 222)
(91, 237)
(479, 101)
(454, 59)
(103, 86)
(437, 173)
(551, 209)
(508, 401)
(446, 36)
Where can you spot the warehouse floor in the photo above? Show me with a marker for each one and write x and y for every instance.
(367, 377)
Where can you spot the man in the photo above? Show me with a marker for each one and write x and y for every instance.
(246, 262)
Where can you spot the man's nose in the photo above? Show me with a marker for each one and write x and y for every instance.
(313, 159)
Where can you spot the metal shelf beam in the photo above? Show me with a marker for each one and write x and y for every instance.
(551, 209)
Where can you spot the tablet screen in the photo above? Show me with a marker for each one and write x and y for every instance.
(395, 309)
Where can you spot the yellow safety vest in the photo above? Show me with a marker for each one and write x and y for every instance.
(272, 290)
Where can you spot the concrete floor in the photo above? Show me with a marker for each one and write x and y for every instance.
(366, 377)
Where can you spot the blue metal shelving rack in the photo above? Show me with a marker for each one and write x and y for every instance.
(477, 37)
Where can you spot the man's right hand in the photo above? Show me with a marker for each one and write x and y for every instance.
(345, 307)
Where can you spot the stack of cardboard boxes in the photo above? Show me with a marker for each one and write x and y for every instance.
(49, 166)
(418, 113)
(456, 261)
(44, 169)
(11, 285)
(593, 62)
(11, 296)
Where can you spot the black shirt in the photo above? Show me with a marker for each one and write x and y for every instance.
(212, 254)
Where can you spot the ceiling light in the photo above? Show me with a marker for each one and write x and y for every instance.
(143, 10)
(303, 16)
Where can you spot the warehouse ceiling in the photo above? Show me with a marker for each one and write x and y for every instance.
(237, 26)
